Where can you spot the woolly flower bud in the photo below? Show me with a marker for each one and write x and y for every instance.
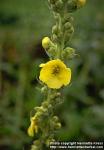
(81, 3)
(68, 53)
(46, 42)
(54, 37)
(59, 4)
(55, 118)
(58, 125)
(68, 18)
(67, 25)
(44, 89)
(54, 29)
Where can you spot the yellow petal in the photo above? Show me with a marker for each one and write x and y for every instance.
(33, 127)
(41, 65)
(30, 131)
(45, 73)
(67, 76)
(36, 128)
(54, 83)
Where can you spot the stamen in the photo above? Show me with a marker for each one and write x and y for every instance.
(56, 70)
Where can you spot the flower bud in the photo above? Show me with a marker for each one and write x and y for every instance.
(71, 30)
(59, 4)
(42, 109)
(58, 125)
(44, 89)
(56, 17)
(72, 5)
(68, 18)
(56, 5)
(46, 42)
(68, 53)
(67, 25)
(54, 29)
(55, 118)
(54, 37)
(81, 3)
(45, 104)
(68, 34)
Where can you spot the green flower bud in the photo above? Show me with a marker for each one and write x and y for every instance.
(51, 50)
(71, 30)
(67, 25)
(41, 109)
(54, 38)
(56, 95)
(68, 34)
(55, 9)
(55, 119)
(56, 17)
(58, 125)
(37, 108)
(60, 35)
(45, 104)
(44, 89)
(67, 18)
(54, 29)
(59, 4)
(68, 53)
(72, 5)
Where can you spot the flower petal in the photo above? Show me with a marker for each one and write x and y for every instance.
(41, 65)
(54, 83)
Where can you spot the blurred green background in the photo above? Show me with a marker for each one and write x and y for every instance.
(23, 23)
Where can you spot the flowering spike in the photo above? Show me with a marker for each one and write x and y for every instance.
(54, 74)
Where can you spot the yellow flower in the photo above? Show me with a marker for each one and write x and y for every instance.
(46, 42)
(81, 3)
(33, 127)
(55, 74)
